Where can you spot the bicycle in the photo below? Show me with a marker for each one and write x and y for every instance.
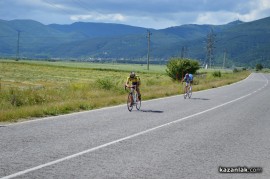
(188, 93)
(133, 99)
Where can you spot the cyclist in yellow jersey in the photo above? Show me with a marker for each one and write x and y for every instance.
(135, 80)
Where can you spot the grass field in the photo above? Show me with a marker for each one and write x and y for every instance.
(31, 89)
(266, 70)
(90, 65)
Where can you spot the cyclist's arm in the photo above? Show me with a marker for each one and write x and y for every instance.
(183, 79)
(127, 82)
(139, 82)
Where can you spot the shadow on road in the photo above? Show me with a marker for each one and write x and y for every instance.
(152, 111)
(199, 98)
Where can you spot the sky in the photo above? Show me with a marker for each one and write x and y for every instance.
(156, 14)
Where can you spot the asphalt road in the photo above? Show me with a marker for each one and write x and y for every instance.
(169, 138)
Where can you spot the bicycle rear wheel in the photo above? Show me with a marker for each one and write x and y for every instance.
(129, 102)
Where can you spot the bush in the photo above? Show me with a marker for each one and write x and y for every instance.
(105, 84)
(259, 67)
(216, 74)
(235, 70)
(176, 68)
(26, 97)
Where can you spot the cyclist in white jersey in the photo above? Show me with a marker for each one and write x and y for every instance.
(188, 80)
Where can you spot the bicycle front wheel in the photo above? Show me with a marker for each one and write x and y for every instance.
(189, 94)
(138, 104)
(185, 94)
(129, 102)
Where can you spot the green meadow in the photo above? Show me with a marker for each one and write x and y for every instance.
(33, 89)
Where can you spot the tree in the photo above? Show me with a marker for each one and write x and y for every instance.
(259, 67)
(177, 67)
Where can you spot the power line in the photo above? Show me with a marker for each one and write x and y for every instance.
(184, 52)
(82, 5)
(210, 48)
(57, 6)
(77, 2)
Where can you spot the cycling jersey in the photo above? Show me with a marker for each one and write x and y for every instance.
(191, 77)
(187, 79)
(134, 80)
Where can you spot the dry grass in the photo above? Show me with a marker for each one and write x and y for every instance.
(30, 90)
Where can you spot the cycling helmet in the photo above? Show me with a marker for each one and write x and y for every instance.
(132, 74)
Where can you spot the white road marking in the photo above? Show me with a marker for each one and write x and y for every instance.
(128, 137)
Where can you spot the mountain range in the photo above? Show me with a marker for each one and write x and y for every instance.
(234, 44)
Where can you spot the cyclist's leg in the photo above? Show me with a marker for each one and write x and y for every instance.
(189, 85)
(129, 102)
(186, 87)
(189, 91)
(139, 93)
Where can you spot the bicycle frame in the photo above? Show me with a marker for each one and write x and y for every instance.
(187, 91)
(133, 98)
(133, 92)
(134, 95)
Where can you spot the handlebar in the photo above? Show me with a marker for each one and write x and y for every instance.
(132, 86)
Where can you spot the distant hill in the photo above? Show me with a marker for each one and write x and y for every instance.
(35, 38)
(246, 43)
(242, 43)
(93, 30)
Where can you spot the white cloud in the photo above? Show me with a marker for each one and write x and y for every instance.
(260, 9)
(98, 17)
(216, 18)
(250, 11)
(143, 13)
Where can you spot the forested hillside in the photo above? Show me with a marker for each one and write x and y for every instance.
(239, 43)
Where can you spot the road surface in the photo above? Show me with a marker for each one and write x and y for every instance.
(171, 137)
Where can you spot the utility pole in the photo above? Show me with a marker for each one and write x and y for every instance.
(148, 52)
(18, 46)
(224, 58)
